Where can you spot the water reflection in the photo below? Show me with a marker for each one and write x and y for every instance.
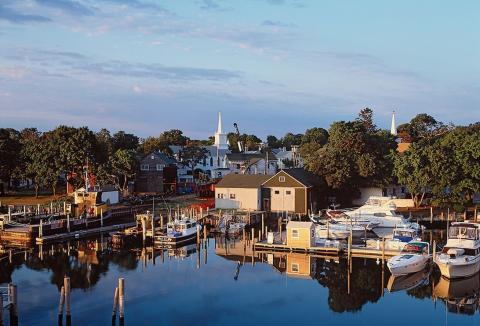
(349, 285)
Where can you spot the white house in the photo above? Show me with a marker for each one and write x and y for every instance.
(240, 191)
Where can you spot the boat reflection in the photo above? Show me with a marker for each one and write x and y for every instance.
(409, 281)
(462, 296)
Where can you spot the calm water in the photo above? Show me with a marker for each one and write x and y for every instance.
(228, 288)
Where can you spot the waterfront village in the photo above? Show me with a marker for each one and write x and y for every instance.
(405, 198)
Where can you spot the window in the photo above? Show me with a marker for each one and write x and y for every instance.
(277, 192)
(294, 268)
(160, 167)
(238, 166)
(145, 167)
(232, 196)
(220, 196)
(295, 234)
(288, 192)
(211, 161)
(281, 178)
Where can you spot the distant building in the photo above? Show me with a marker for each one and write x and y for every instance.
(157, 174)
(288, 159)
(252, 163)
(240, 191)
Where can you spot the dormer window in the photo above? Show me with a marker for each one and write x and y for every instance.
(281, 178)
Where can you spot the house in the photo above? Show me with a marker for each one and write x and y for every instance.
(252, 163)
(157, 174)
(240, 191)
(288, 159)
(300, 234)
(293, 190)
(301, 265)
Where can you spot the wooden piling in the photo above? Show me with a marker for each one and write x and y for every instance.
(144, 230)
(12, 289)
(434, 249)
(198, 234)
(60, 306)
(101, 217)
(431, 214)
(383, 250)
(263, 222)
(475, 213)
(68, 311)
(121, 298)
(1, 307)
(68, 223)
(115, 306)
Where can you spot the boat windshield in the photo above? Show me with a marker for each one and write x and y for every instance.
(415, 247)
(462, 232)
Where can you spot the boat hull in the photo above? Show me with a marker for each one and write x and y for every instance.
(455, 270)
(410, 267)
(174, 240)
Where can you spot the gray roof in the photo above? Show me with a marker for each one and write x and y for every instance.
(162, 156)
(248, 156)
(307, 178)
(242, 181)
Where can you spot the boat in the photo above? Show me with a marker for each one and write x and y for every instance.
(380, 212)
(334, 230)
(461, 255)
(409, 281)
(397, 239)
(461, 295)
(233, 228)
(178, 231)
(414, 257)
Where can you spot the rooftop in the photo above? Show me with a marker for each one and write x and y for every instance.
(242, 181)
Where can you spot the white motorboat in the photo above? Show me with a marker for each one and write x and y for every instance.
(381, 211)
(414, 258)
(334, 230)
(233, 228)
(396, 240)
(461, 255)
(460, 295)
(178, 231)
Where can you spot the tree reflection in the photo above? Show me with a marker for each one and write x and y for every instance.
(365, 283)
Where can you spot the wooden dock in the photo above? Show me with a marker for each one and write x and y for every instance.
(82, 233)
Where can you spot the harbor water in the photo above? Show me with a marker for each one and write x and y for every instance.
(225, 283)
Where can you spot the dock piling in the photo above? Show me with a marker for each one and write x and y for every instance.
(121, 296)
(60, 306)
(12, 291)
(115, 306)
(68, 311)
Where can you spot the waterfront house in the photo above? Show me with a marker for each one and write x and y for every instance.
(300, 234)
(293, 190)
(252, 163)
(157, 174)
(240, 191)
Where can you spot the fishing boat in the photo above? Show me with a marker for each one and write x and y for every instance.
(178, 231)
(461, 255)
(413, 258)
(409, 281)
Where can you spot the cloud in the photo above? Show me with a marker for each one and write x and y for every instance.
(14, 16)
(212, 5)
(67, 6)
(138, 4)
(77, 62)
(271, 23)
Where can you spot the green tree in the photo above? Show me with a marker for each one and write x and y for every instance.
(192, 154)
(174, 137)
(10, 148)
(123, 140)
(123, 165)
(151, 144)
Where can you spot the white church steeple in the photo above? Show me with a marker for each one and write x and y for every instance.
(393, 128)
(221, 141)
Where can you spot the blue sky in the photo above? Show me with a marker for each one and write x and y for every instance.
(272, 66)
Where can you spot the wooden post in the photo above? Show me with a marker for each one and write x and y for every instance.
(64, 208)
(68, 312)
(60, 306)
(1, 305)
(101, 217)
(263, 222)
(259, 235)
(198, 234)
(328, 229)
(434, 250)
(475, 214)
(115, 306)
(383, 250)
(68, 223)
(349, 253)
(121, 296)
(448, 220)
(431, 214)
(40, 229)
(38, 209)
(465, 214)
(14, 305)
(51, 207)
(244, 240)
(144, 229)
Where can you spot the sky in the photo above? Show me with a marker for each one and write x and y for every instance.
(272, 66)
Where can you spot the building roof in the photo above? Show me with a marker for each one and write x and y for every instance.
(242, 181)
(299, 225)
(212, 151)
(249, 156)
(162, 156)
(307, 178)
(402, 147)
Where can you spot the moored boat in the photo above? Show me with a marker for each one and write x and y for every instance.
(461, 255)
(178, 231)
(414, 258)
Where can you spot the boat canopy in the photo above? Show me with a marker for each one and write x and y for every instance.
(417, 247)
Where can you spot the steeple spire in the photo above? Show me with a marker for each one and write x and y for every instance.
(393, 128)
(219, 128)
